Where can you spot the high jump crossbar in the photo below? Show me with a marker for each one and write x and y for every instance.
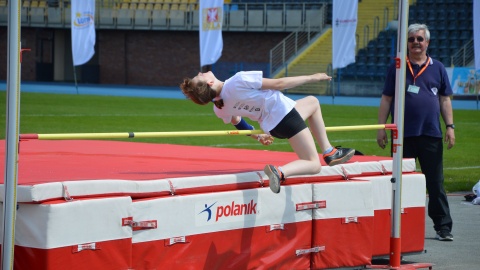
(126, 135)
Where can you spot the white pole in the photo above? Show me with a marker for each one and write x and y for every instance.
(12, 133)
(395, 240)
(75, 78)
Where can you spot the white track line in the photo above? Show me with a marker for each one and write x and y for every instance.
(284, 142)
(462, 168)
(117, 114)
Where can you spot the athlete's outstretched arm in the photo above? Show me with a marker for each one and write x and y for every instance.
(291, 82)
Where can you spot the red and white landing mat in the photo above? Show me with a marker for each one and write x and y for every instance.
(126, 205)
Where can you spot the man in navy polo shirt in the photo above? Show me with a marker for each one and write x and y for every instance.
(427, 97)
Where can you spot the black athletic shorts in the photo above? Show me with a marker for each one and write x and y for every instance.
(290, 125)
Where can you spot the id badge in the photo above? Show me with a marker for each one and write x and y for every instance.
(413, 89)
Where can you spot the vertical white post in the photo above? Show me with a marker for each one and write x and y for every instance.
(395, 239)
(12, 134)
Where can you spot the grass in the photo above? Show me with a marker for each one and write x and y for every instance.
(55, 113)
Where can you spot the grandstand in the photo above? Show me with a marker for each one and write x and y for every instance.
(376, 43)
(139, 39)
(447, 36)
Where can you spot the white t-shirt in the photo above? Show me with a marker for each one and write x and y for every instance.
(242, 96)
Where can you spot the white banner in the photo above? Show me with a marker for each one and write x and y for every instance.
(344, 18)
(210, 28)
(83, 30)
(476, 32)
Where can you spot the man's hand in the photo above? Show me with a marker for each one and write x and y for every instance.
(382, 138)
(450, 138)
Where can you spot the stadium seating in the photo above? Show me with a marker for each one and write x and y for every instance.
(446, 39)
(375, 51)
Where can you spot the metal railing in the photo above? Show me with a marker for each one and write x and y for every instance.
(289, 47)
(148, 15)
(464, 56)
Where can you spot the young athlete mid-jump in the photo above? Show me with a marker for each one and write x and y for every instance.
(248, 94)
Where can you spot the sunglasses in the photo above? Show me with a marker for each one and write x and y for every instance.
(412, 39)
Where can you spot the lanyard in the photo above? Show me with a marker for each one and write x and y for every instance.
(420, 72)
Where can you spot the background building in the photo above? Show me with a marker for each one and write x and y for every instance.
(156, 42)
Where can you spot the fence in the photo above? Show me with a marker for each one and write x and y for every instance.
(296, 41)
(150, 15)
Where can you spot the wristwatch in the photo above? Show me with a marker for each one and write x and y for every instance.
(450, 126)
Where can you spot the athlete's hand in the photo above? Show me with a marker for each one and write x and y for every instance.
(321, 77)
(265, 139)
